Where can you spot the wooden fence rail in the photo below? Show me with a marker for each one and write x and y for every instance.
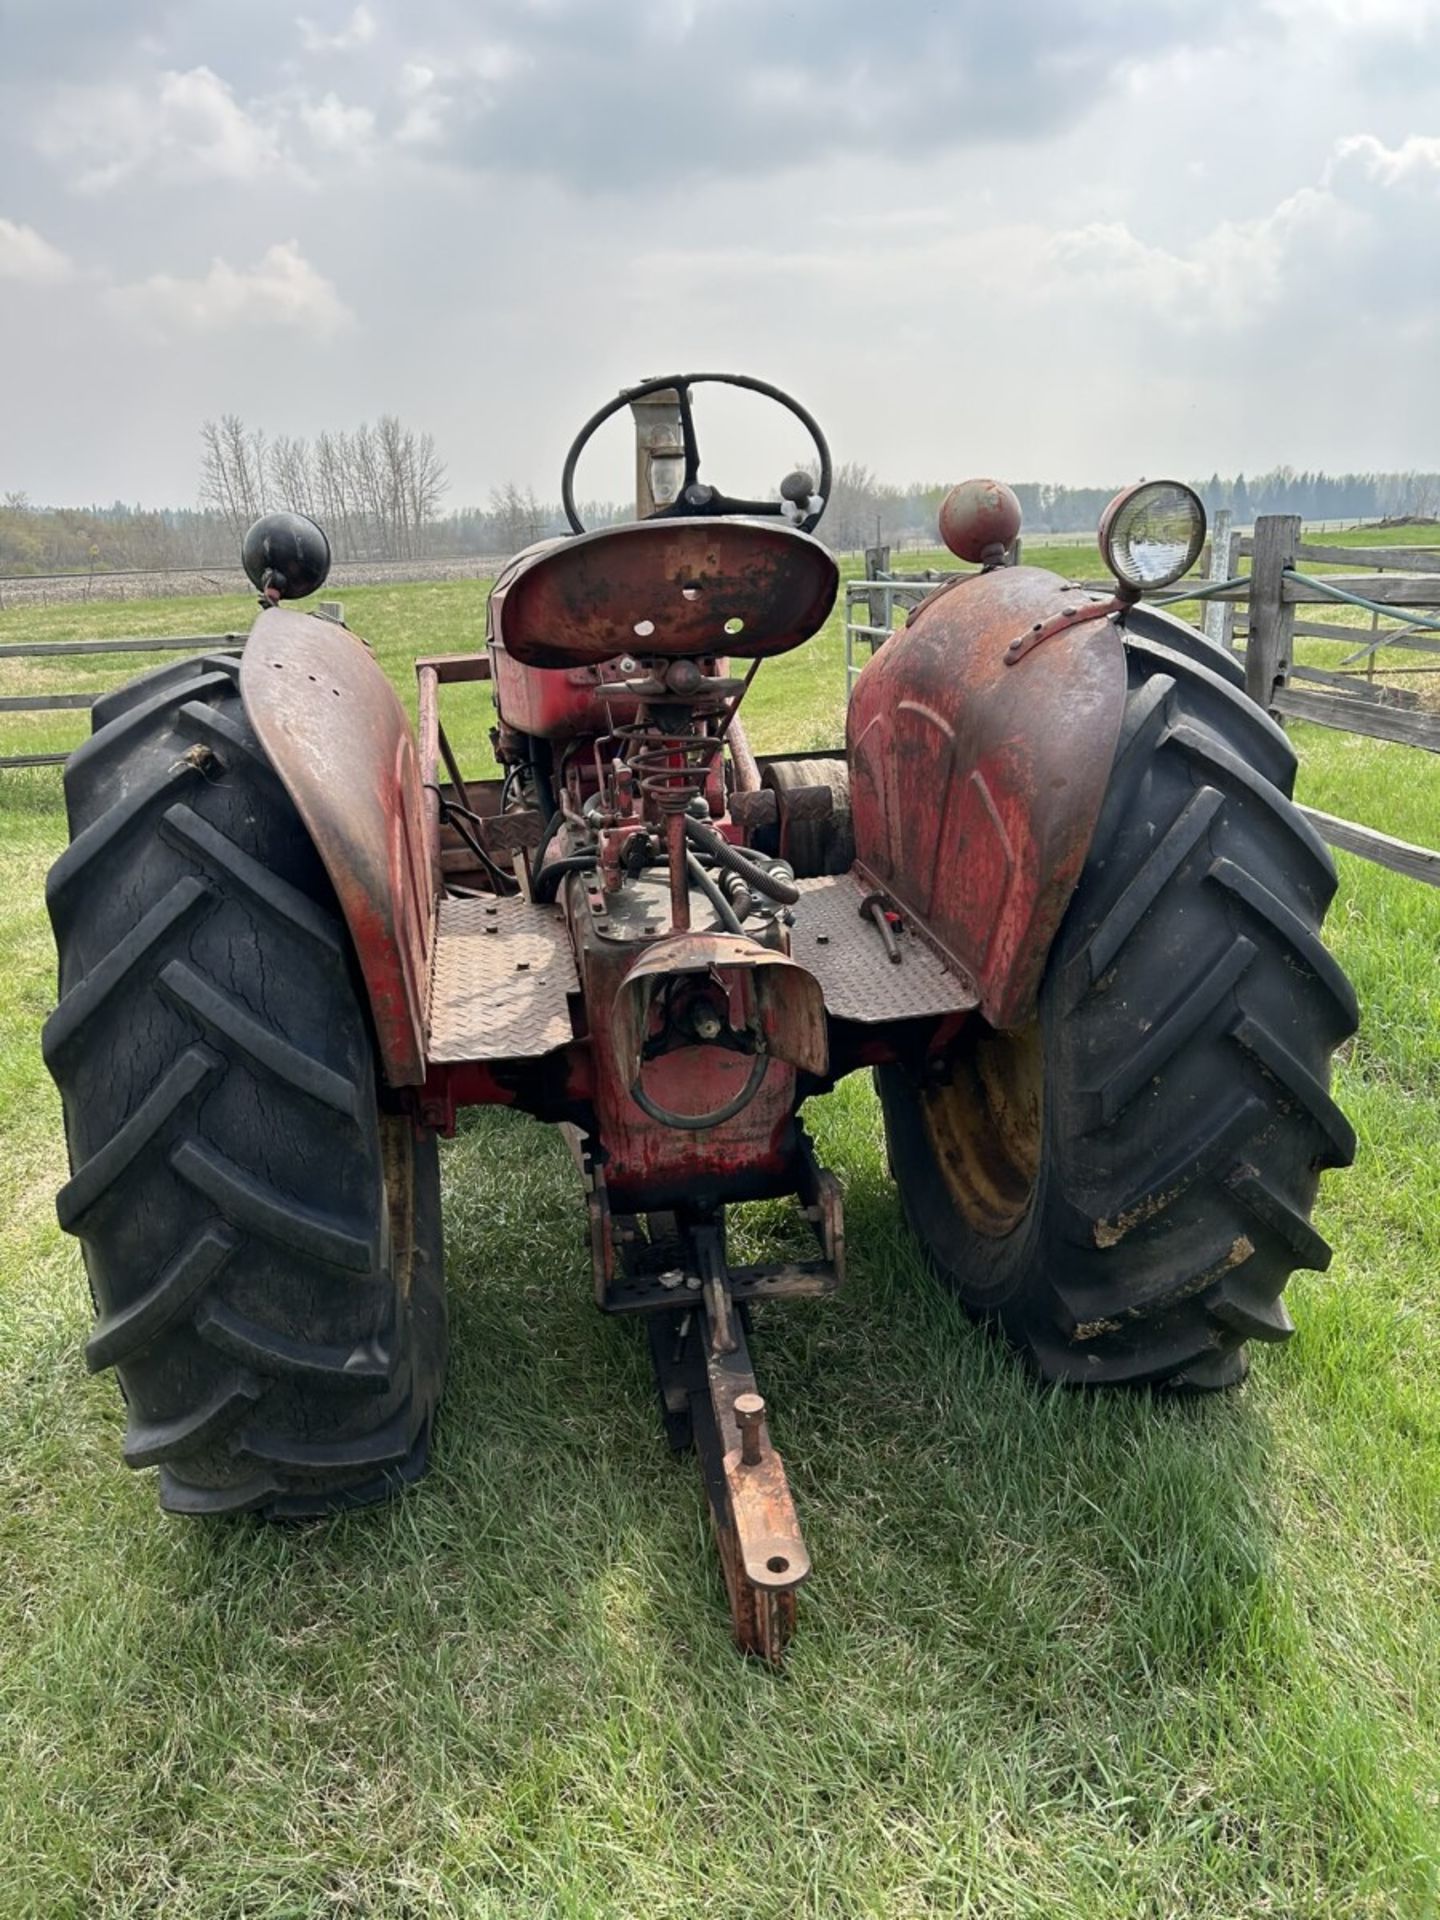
(87, 649)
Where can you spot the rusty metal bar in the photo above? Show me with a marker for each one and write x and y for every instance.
(452, 767)
(747, 767)
(756, 1528)
(709, 1400)
(427, 699)
(679, 873)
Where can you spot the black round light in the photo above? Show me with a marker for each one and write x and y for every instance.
(286, 554)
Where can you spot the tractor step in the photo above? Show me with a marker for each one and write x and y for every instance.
(839, 938)
(500, 974)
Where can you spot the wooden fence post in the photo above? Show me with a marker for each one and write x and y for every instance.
(1228, 607)
(877, 561)
(1267, 655)
(1214, 621)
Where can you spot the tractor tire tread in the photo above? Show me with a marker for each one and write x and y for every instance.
(110, 706)
(1190, 1011)
(215, 1058)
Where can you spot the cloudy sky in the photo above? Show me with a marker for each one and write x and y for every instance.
(1065, 239)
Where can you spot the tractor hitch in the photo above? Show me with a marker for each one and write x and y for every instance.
(674, 1270)
(709, 1399)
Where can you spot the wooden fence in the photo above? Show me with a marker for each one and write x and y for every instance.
(1255, 614)
(85, 649)
(57, 702)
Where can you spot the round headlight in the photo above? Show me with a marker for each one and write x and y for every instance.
(1152, 534)
(288, 552)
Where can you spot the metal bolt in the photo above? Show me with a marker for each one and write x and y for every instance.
(750, 1418)
(705, 1022)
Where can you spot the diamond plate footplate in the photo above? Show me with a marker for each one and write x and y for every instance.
(498, 981)
(844, 951)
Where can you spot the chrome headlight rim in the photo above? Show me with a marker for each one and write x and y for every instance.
(1118, 526)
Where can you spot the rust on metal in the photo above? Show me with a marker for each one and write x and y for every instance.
(671, 588)
(654, 976)
(1100, 607)
(979, 520)
(975, 788)
(762, 1549)
(332, 726)
(707, 1389)
(829, 940)
(753, 982)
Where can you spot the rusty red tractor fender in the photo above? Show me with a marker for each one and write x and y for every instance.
(1053, 891)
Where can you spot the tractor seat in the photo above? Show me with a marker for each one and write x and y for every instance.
(677, 588)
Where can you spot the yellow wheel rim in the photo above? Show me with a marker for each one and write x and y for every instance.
(985, 1124)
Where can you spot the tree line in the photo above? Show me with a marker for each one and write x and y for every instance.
(865, 511)
(375, 490)
(378, 490)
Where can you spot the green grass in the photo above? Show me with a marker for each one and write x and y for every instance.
(1060, 1656)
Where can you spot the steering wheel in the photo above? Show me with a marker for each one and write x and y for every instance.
(694, 496)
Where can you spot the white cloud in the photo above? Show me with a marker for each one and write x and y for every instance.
(1410, 17)
(1320, 249)
(1415, 163)
(26, 255)
(192, 127)
(357, 32)
(336, 128)
(423, 122)
(465, 86)
(282, 291)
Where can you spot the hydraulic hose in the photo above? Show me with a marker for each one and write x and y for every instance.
(738, 861)
(552, 827)
(697, 1122)
(546, 883)
(729, 919)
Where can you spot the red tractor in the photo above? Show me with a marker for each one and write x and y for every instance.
(1054, 894)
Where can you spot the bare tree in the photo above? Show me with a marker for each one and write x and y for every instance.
(428, 481)
(376, 490)
(852, 508)
(518, 517)
(328, 467)
(291, 476)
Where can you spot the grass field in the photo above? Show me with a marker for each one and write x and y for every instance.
(1060, 1656)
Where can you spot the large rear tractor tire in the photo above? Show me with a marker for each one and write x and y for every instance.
(1126, 1185)
(262, 1235)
